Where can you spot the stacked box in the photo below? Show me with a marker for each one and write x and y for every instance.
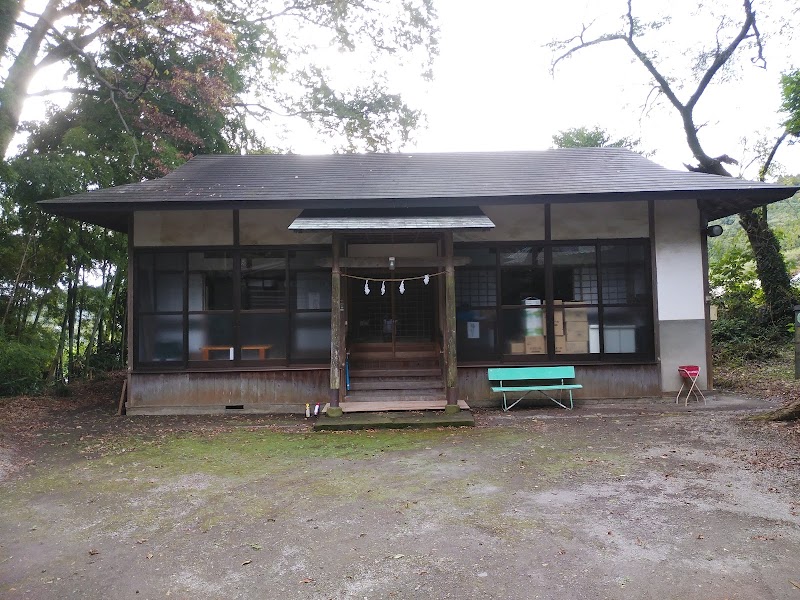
(576, 327)
(558, 316)
(517, 348)
(535, 344)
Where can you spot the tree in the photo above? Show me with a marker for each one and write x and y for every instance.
(224, 60)
(151, 84)
(732, 35)
(583, 137)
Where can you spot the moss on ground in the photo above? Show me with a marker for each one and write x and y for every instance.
(198, 480)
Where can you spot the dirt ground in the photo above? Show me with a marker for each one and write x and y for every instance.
(616, 500)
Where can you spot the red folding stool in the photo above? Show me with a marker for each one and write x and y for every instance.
(689, 374)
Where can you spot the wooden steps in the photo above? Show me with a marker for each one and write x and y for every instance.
(393, 405)
(411, 372)
(396, 384)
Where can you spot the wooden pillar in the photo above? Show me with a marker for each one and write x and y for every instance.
(336, 327)
(451, 376)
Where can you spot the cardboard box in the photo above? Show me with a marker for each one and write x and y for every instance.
(575, 311)
(577, 347)
(517, 348)
(534, 344)
(561, 344)
(558, 320)
(577, 331)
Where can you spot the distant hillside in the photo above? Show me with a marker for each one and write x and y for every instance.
(784, 218)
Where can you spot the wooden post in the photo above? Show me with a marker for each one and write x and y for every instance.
(451, 367)
(336, 326)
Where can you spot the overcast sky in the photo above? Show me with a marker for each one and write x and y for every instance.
(493, 89)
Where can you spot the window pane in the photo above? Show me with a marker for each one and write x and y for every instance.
(160, 338)
(169, 292)
(145, 283)
(263, 332)
(169, 261)
(517, 285)
(523, 256)
(263, 280)
(624, 274)
(575, 273)
(476, 287)
(523, 330)
(311, 337)
(211, 337)
(313, 291)
(308, 259)
(627, 330)
(157, 290)
(211, 281)
(476, 334)
(479, 257)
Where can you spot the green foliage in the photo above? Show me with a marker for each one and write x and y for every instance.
(732, 275)
(583, 137)
(23, 368)
(790, 90)
(743, 330)
(108, 357)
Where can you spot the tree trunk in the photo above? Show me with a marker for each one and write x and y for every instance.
(57, 372)
(770, 265)
(15, 88)
(72, 296)
(107, 287)
(15, 290)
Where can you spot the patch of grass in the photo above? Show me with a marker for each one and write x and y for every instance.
(773, 378)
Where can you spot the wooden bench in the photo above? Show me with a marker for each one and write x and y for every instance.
(262, 350)
(532, 379)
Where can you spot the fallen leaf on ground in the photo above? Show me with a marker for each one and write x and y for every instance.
(247, 562)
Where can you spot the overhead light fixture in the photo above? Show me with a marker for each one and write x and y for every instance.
(391, 263)
(714, 230)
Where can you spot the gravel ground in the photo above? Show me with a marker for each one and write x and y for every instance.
(615, 500)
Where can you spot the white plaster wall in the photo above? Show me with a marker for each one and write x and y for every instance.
(183, 228)
(679, 261)
(599, 220)
(681, 299)
(271, 227)
(512, 222)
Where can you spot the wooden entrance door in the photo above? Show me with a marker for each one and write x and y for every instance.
(391, 320)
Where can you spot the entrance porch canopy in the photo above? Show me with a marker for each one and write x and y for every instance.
(393, 219)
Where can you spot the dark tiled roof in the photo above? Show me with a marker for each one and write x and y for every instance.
(420, 179)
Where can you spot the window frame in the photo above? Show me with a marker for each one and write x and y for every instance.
(647, 355)
(238, 363)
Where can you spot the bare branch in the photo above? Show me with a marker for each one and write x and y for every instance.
(725, 55)
(257, 109)
(762, 172)
(60, 91)
(65, 49)
(582, 44)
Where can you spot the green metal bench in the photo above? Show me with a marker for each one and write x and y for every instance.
(533, 379)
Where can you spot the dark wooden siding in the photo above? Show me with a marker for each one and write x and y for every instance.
(599, 381)
(256, 391)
